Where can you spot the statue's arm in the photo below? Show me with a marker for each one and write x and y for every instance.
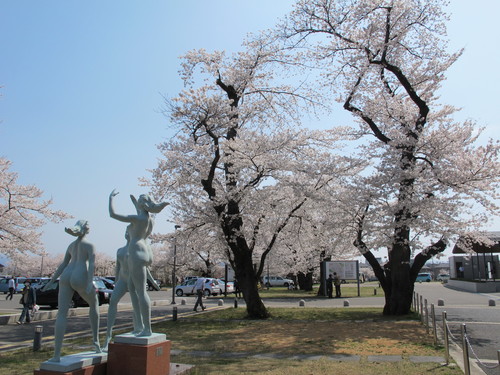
(117, 270)
(112, 212)
(59, 271)
(151, 280)
(90, 271)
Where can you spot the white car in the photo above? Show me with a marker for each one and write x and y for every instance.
(212, 288)
(277, 281)
(444, 277)
(230, 286)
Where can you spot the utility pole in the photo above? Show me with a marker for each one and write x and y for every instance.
(175, 264)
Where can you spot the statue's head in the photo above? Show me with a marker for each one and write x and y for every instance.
(146, 203)
(80, 229)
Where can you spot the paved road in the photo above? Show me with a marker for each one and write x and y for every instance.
(482, 321)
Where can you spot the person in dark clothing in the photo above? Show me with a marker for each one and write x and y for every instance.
(329, 286)
(12, 289)
(198, 287)
(237, 290)
(28, 300)
(336, 282)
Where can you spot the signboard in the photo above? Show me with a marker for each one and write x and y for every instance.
(345, 269)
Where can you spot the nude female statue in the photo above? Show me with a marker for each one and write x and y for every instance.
(121, 287)
(76, 273)
(140, 255)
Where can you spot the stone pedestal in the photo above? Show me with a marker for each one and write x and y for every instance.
(87, 363)
(130, 355)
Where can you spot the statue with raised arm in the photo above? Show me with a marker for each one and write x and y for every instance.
(140, 255)
(76, 274)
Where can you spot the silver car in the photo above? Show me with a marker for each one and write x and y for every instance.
(211, 288)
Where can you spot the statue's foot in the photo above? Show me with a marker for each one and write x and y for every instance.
(54, 359)
(144, 333)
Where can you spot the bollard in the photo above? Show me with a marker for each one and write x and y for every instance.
(174, 313)
(434, 327)
(346, 303)
(491, 302)
(446, 342)
(440, 302)
(302, 303)
(375, 291)
(465, 349)
(220, 302)
(236, 303)
(426, 316)
(183, 301)
(421, 309)
(37, 341)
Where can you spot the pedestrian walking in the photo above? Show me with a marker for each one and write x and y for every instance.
(237, 290)
(336, 282)
(28, 300)
(12, 289)
(198, 287)
(329, 286)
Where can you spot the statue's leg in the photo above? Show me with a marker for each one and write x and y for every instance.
(64, 299)
(118, 293)
(92, 300)
(136, 315)
(138, 277)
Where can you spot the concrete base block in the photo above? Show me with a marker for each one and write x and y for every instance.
(85, 363)
(130, 359)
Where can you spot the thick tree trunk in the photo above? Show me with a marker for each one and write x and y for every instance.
(305, 281)
(248, 283)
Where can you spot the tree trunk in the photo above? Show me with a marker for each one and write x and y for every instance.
(248, 284)
(305, 281)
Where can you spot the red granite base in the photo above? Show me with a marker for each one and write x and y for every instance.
(129, 359)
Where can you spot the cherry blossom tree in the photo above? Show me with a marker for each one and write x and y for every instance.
(430, 179)
(22, 214)
(240, 164)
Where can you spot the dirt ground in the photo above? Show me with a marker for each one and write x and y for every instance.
(361, 338)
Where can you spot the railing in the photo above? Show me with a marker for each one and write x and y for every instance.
(421, 308)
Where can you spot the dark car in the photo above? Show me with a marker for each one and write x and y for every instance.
(110, 284)
(50, 296)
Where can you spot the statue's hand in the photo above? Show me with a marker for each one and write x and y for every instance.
(47, 286)
(113, 193)
(90, 288)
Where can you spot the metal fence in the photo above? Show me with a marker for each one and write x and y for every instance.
(429, 320)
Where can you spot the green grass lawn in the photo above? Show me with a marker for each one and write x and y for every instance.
(348, 291)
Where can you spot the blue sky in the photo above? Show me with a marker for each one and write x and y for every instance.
(82, 85)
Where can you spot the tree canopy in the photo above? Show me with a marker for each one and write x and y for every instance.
(22, 214)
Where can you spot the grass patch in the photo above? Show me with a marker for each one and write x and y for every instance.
(292, 331)
(348, 291)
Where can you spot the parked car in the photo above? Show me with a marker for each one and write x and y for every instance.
(424, 276)
(277, 281)
(4, 284)
(222, 285)
(50, 296)
(444, 277)
(212, 287)
(110, 284)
